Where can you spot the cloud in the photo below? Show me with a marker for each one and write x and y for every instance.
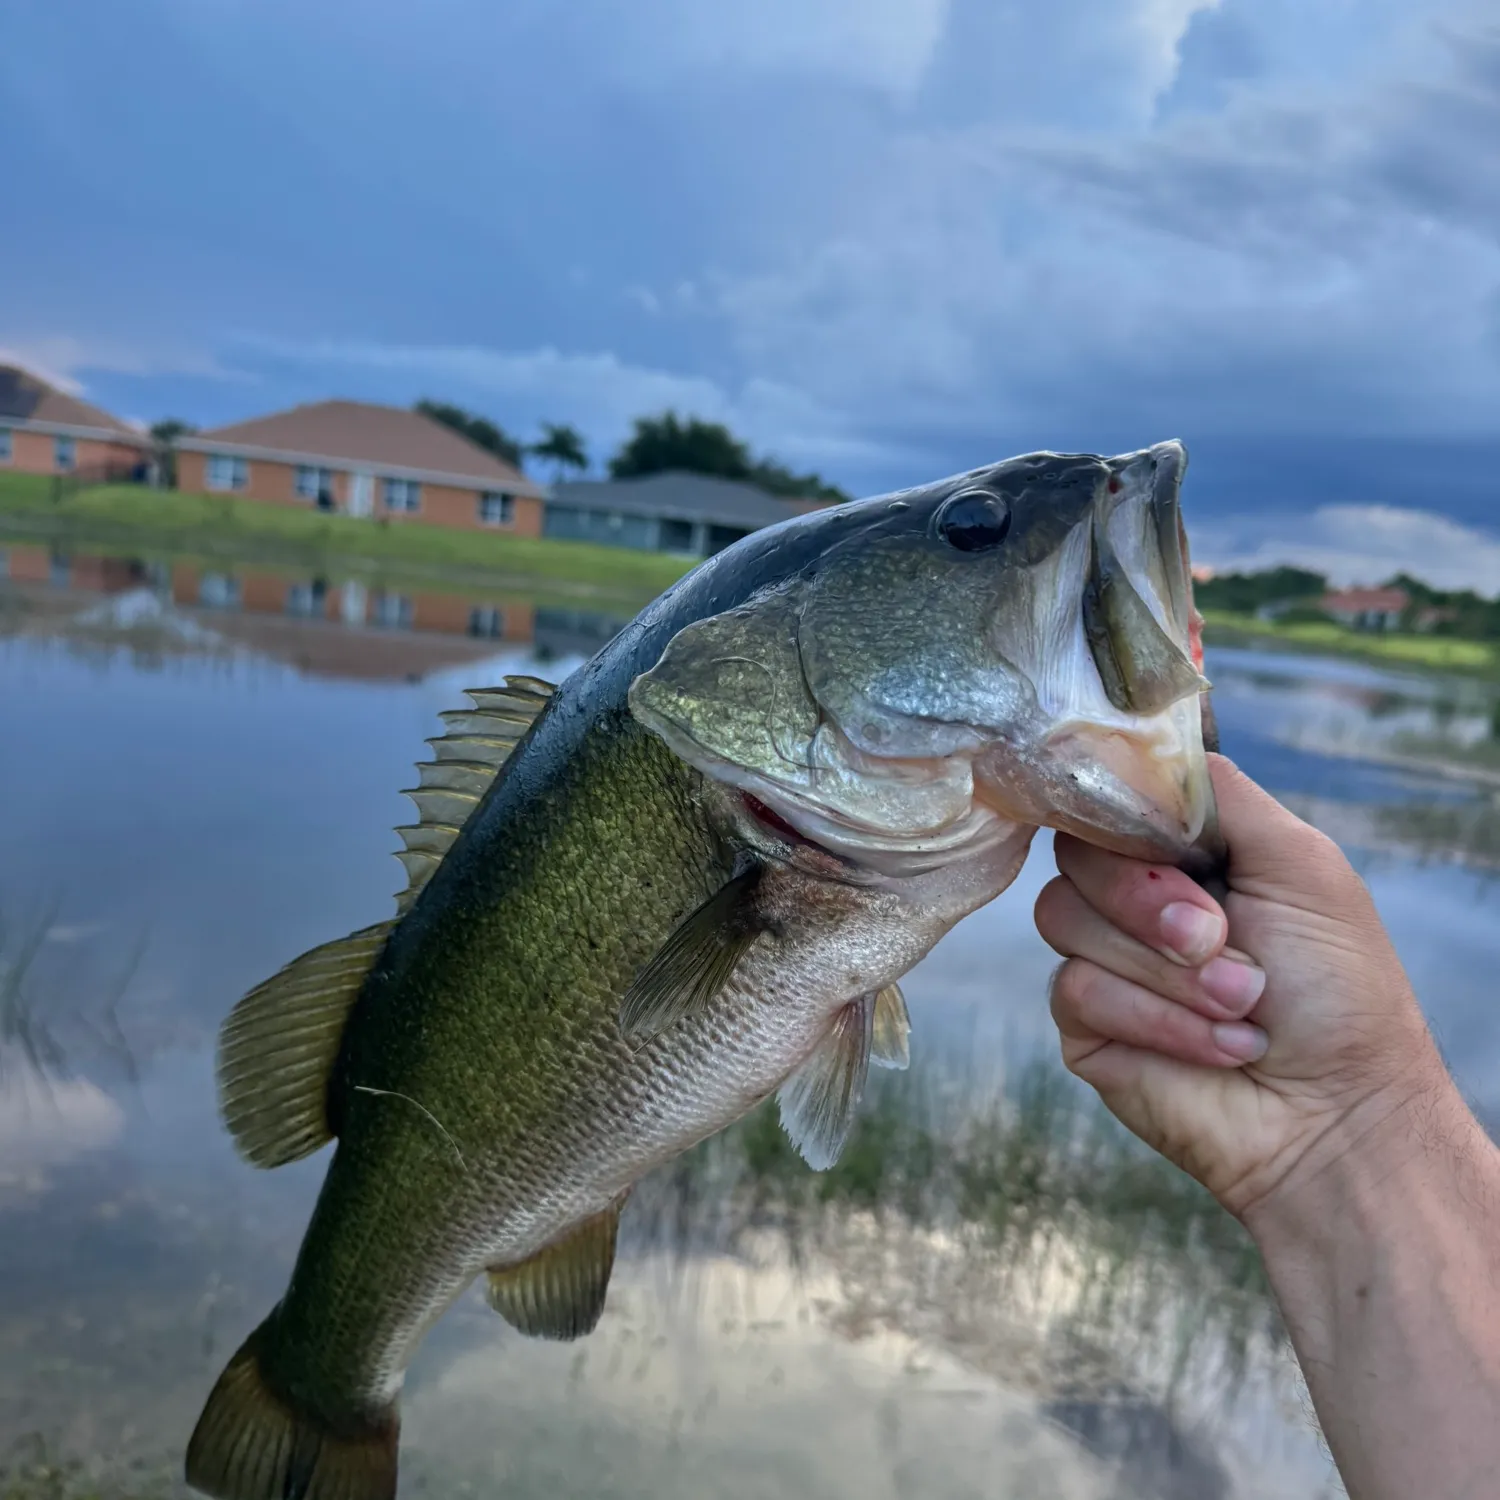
(885, 43)
(895, 236)
(1295, 264)
(62, 360)
(1358, 544)
(45, 1122)
(598, 392)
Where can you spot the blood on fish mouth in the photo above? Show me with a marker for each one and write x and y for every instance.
(772, 819)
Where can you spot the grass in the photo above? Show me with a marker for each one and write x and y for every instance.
(131, 517)
(1015, 1185)
(1433, 652)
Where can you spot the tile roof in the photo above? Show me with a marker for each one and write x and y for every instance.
(1356, 601)
(357, 432)
(25, 397)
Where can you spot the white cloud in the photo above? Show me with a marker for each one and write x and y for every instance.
(601, 393)
(1354, 544)
(1328, 264)
(886, 43)
(45, 1122)
(61, 359)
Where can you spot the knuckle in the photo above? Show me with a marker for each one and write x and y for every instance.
(1069, 984)
(1053, 905)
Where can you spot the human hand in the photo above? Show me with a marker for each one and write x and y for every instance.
(1253, 1043)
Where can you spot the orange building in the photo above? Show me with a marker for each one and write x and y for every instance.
(379, 461)
(46, 431)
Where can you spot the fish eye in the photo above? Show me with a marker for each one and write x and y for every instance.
(974, 521)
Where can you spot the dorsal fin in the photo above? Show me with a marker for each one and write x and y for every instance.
(477, 742)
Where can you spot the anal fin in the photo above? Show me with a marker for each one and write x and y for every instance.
(818, 1102)
(559, 1292)
(694, 963)
(278, 1045)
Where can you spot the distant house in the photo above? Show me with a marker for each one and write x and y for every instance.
(362, 460)
(46, 431)
(693, 514)
(1366, 609)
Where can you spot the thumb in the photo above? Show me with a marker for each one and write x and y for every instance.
(1275, 854)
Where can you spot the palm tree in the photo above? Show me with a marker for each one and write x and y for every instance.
(564, 446)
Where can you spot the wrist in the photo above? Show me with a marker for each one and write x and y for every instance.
(1417, 1143)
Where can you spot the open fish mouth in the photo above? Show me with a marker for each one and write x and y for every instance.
(1134, 775)
(1140, 637)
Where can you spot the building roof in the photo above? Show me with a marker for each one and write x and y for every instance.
(27, 398)
(389, 438)
(679, 496)
(1362, 601)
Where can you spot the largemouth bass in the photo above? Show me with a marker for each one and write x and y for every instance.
(690, 878)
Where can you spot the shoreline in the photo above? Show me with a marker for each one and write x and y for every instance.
(1425, 654)
(130, 521)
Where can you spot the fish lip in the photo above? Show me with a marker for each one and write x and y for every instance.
(1163, 466)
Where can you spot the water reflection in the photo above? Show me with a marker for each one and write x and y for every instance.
(993, 1293)
(158, 607)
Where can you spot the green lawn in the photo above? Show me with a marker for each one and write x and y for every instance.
(222, 526)
(1435, 652)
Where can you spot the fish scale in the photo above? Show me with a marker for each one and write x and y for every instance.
(690, 878)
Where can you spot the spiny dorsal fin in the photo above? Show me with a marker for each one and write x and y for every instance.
(277, 1048)
(819, 1100)
(890, 1040)
(559, 1293)
(466, 758)
(694, 963)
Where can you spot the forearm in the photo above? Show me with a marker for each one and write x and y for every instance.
(1385, 1259)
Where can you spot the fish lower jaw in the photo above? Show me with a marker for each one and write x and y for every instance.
(882, 850)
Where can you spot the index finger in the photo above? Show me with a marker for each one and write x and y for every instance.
(1156, 904)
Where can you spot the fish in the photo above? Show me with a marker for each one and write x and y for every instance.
(688, 879)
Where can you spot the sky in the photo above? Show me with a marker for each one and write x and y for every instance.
(886, 239)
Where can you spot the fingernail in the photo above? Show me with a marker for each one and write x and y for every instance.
(1191, 931)
(1234, 985)
(1242, 1040)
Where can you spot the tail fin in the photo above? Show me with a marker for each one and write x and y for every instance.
(250, 1444)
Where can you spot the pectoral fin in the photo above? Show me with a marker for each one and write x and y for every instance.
(819, 1100)
(559, 1293)
(695, 963)
(890, 1041)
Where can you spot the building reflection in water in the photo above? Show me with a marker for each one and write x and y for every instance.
(324, 626)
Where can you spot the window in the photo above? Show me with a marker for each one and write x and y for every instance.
(64, 452)
(226, 472)
(314, 484)
(393, 611)
(5, 448)
(497, 510)
(308, 598)
(720, 537)
(219, 591)
(675, 536)
(403, 494)
(487, 620)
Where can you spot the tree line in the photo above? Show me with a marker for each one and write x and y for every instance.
(656, 445)
(1456, 612)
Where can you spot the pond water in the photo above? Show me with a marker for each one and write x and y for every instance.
(992, 1295)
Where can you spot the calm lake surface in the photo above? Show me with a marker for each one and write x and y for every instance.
(993, 1294)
